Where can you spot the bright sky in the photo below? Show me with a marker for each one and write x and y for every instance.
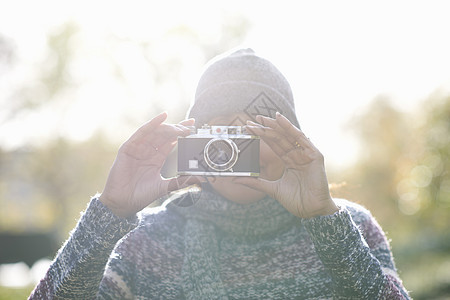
(338, 56)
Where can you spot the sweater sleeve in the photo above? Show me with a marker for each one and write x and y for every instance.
(359, 260)
(78, 268)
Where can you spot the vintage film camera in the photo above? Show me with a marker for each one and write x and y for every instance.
(219, 151)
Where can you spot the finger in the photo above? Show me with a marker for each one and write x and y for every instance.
(148, 127)
(181, 182)
(155, 129)
(263, 130)
(284, 147)
(276, 140)
(274, 124)
(163, 151)
(184, 127)
(292, 131)
(167, 144)
(188, 122)
(263, 185)
(272, 144)
(267, 121)
(165, 133)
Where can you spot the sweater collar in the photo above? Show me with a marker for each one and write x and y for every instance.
(264, 218)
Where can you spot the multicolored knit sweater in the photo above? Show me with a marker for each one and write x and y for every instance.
(218, 249)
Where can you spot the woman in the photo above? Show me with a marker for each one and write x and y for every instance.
(277, 236)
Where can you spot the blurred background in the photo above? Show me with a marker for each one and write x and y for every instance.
(371, 82)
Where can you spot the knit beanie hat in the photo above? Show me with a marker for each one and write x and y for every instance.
(242, 82)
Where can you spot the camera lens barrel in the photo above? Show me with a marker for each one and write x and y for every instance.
(221, 154)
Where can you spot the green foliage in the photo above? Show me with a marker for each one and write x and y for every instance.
(51, 79)
(403, 177)
(9, 293)
(44, 189)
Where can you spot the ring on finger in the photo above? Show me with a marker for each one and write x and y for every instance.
(298, 146)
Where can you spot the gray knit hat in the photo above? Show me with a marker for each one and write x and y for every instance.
(242, 82)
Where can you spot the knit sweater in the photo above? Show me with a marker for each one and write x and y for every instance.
(218, 249)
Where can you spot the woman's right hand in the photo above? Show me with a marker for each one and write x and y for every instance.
(135, 178)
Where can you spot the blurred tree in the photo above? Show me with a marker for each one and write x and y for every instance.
(402, 176)
(44, 189)
(384, 136)
(428, 179)
(7, 54)
(424, 195)
(180, 44)
(50, 78)
(45, 186)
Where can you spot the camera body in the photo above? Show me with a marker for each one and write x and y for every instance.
(219, 151)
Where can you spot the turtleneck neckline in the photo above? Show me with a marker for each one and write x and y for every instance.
(261, 219)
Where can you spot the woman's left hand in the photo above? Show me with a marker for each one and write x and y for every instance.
(303, 188)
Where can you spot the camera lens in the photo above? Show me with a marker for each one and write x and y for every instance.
(221, 154)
